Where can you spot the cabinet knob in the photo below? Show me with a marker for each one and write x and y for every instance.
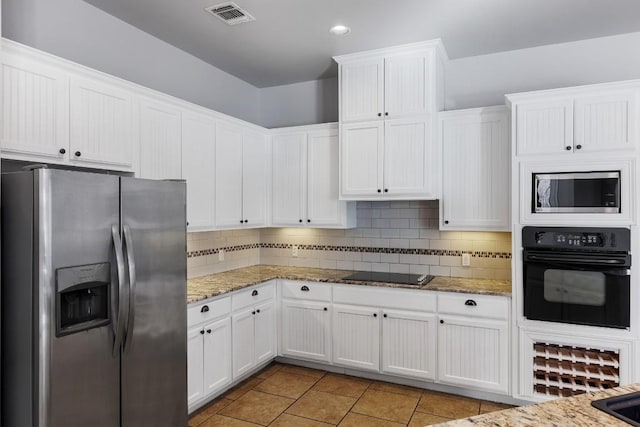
(442, 321)
(241, 221)
(300, 220)
(379, 190)
(254, 293)
(204, 309)
(187, 223)
(446, 222)
(375, 314)
(386, 190)
(202, 332)
(253, 312)
(325, 309)
(470, 303)
(308, 220)
(578, 146)
(258, 311)
(384, 315)
(78, 154)
(304, 288)
(379, 114)
(386, 113)
(568, 148)
(208, 331)
(62, 151)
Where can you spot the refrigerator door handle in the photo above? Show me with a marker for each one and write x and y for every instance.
(117, 314)
(131, 263)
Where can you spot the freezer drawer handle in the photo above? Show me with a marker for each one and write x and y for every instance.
(204, 309)
(254, 293)
(131, 263)
(470, 302)
(122, 297)
(305, 288)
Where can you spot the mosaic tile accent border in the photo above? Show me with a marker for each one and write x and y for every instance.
(367, 249)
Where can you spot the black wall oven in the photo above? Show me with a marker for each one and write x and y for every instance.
(577, 275)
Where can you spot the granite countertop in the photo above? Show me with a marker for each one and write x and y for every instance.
(201, 288)
(566, 412)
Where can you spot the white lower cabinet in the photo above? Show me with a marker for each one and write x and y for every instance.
(356, 337)
(474, 353)
(208, 350)
(306, 330)
(254, 330)
(409, 344)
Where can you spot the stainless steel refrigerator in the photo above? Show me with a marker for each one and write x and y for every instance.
(94, 301)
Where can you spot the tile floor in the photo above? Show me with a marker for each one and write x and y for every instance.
(291, 396)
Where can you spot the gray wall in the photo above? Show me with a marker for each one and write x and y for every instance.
(303, 103)
(82, 33)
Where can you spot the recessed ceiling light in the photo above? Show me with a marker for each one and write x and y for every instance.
(340, 30)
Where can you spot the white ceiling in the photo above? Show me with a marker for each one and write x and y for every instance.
(289, 42)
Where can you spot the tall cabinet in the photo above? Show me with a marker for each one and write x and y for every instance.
(389, 100)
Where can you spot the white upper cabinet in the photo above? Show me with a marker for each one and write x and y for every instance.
(476, 165)
(411, 164)
(198, 151)
(597, 118)
(35, 110)
(362, 90)
(388, 141)
(102, 124)
(242, 169)
(256, 155)
(305, 179)
(405, 85)
(160, 140)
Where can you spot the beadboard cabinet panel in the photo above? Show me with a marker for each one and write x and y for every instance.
(406, 85)
(545, 127)
(362, 90)
(256, 161)
(306, 330)
(289, 179)
(160, 141)
(228, 171)
(361, 152)
(356, 337)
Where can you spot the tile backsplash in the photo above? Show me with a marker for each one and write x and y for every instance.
(395, 236)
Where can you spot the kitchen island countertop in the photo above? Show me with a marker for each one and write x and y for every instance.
(205, 287)
(573, 411)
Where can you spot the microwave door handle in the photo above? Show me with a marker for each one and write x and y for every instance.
(131, 263)
(576, 260)
(117, 314)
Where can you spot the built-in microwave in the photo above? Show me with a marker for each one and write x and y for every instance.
(576, 192)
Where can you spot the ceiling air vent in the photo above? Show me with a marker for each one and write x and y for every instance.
(230, 13)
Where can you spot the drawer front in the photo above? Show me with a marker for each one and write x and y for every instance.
(311, 291)
(203, 312)
(404, 299)
(252, 295)
(488, 306)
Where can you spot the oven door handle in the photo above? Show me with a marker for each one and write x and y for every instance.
(567, 260)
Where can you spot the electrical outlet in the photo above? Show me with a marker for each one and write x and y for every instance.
(221, 255)
(466, 260)
(294, 250)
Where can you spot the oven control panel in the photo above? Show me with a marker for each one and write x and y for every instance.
(616, 239)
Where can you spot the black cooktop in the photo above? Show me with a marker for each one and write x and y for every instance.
(402, 278)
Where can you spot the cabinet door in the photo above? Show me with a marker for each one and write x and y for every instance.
(409, 344)
(476, 172)
(256, 169)
(545, 127)
(362, 90)
(405, 86)
(102, 123)
(289, 176)
(160, 141)
(217, 355)
(606, 121)
(265, 332)
(243, 342)
(361, 160)
(323, 206)
(228, 171)
(35, 110)
(195, 360)
(306, 330)
(410, 159)
(474, 353)
(198, 146)
(356, 337)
